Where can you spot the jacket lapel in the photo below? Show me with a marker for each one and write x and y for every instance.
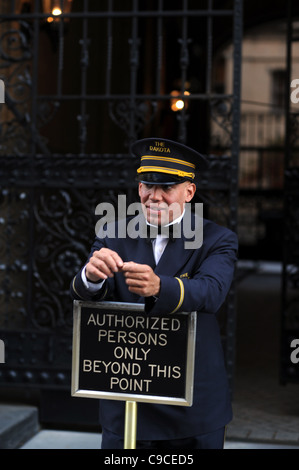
(174, 257)
(145, 254)
(144, 248)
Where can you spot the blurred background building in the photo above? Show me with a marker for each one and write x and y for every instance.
(83, 80)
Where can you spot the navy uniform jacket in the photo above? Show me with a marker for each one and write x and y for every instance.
(191, 280)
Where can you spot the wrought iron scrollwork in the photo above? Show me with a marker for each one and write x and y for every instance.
(221, 114)
(132, 117)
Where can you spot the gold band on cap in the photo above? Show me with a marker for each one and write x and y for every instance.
(167, 159)
(161, 169)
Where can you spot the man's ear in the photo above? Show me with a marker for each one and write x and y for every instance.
(139, 188)
(190, 191)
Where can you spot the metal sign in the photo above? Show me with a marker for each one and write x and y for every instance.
(121, 353)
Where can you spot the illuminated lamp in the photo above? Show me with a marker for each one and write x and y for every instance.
(178, 103)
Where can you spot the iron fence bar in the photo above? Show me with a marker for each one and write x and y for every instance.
(118, 14)
(13, 5)
(196, 96)
(159, 47)
(287, 201)
(289, 35)
(60, 54)
(35, 82)
(209, 50)
(184, 62)
(233, 196)
(237, 38)
(34, 134)
(134, 63)
(84, 64)
(109, 49)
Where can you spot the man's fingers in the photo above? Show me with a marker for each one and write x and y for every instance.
(141, 279)
(110, 258)
(131, 267)
(136, 274)
(103, 263)
(107, 265)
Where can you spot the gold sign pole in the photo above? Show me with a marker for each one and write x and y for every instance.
(130, 425)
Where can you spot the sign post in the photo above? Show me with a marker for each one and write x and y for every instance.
(130, 425)
(121, 353)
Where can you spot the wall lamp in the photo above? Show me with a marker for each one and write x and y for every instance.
(177, 104)
(53, 8)
(51, 24)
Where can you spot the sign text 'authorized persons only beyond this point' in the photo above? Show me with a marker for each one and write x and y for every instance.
(119, 352)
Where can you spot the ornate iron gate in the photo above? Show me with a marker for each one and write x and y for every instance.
(80, 87)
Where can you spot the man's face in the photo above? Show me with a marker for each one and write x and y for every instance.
(162, 204)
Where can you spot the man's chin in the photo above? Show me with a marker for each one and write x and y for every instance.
(154, 220)
(158, 221)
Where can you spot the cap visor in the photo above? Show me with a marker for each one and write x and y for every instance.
(159, 178)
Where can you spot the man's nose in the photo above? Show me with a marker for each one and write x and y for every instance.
(156, 192)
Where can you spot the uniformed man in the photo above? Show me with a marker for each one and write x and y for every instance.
(168, 277)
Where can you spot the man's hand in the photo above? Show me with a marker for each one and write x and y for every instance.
(103, 264)
(141, 279)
